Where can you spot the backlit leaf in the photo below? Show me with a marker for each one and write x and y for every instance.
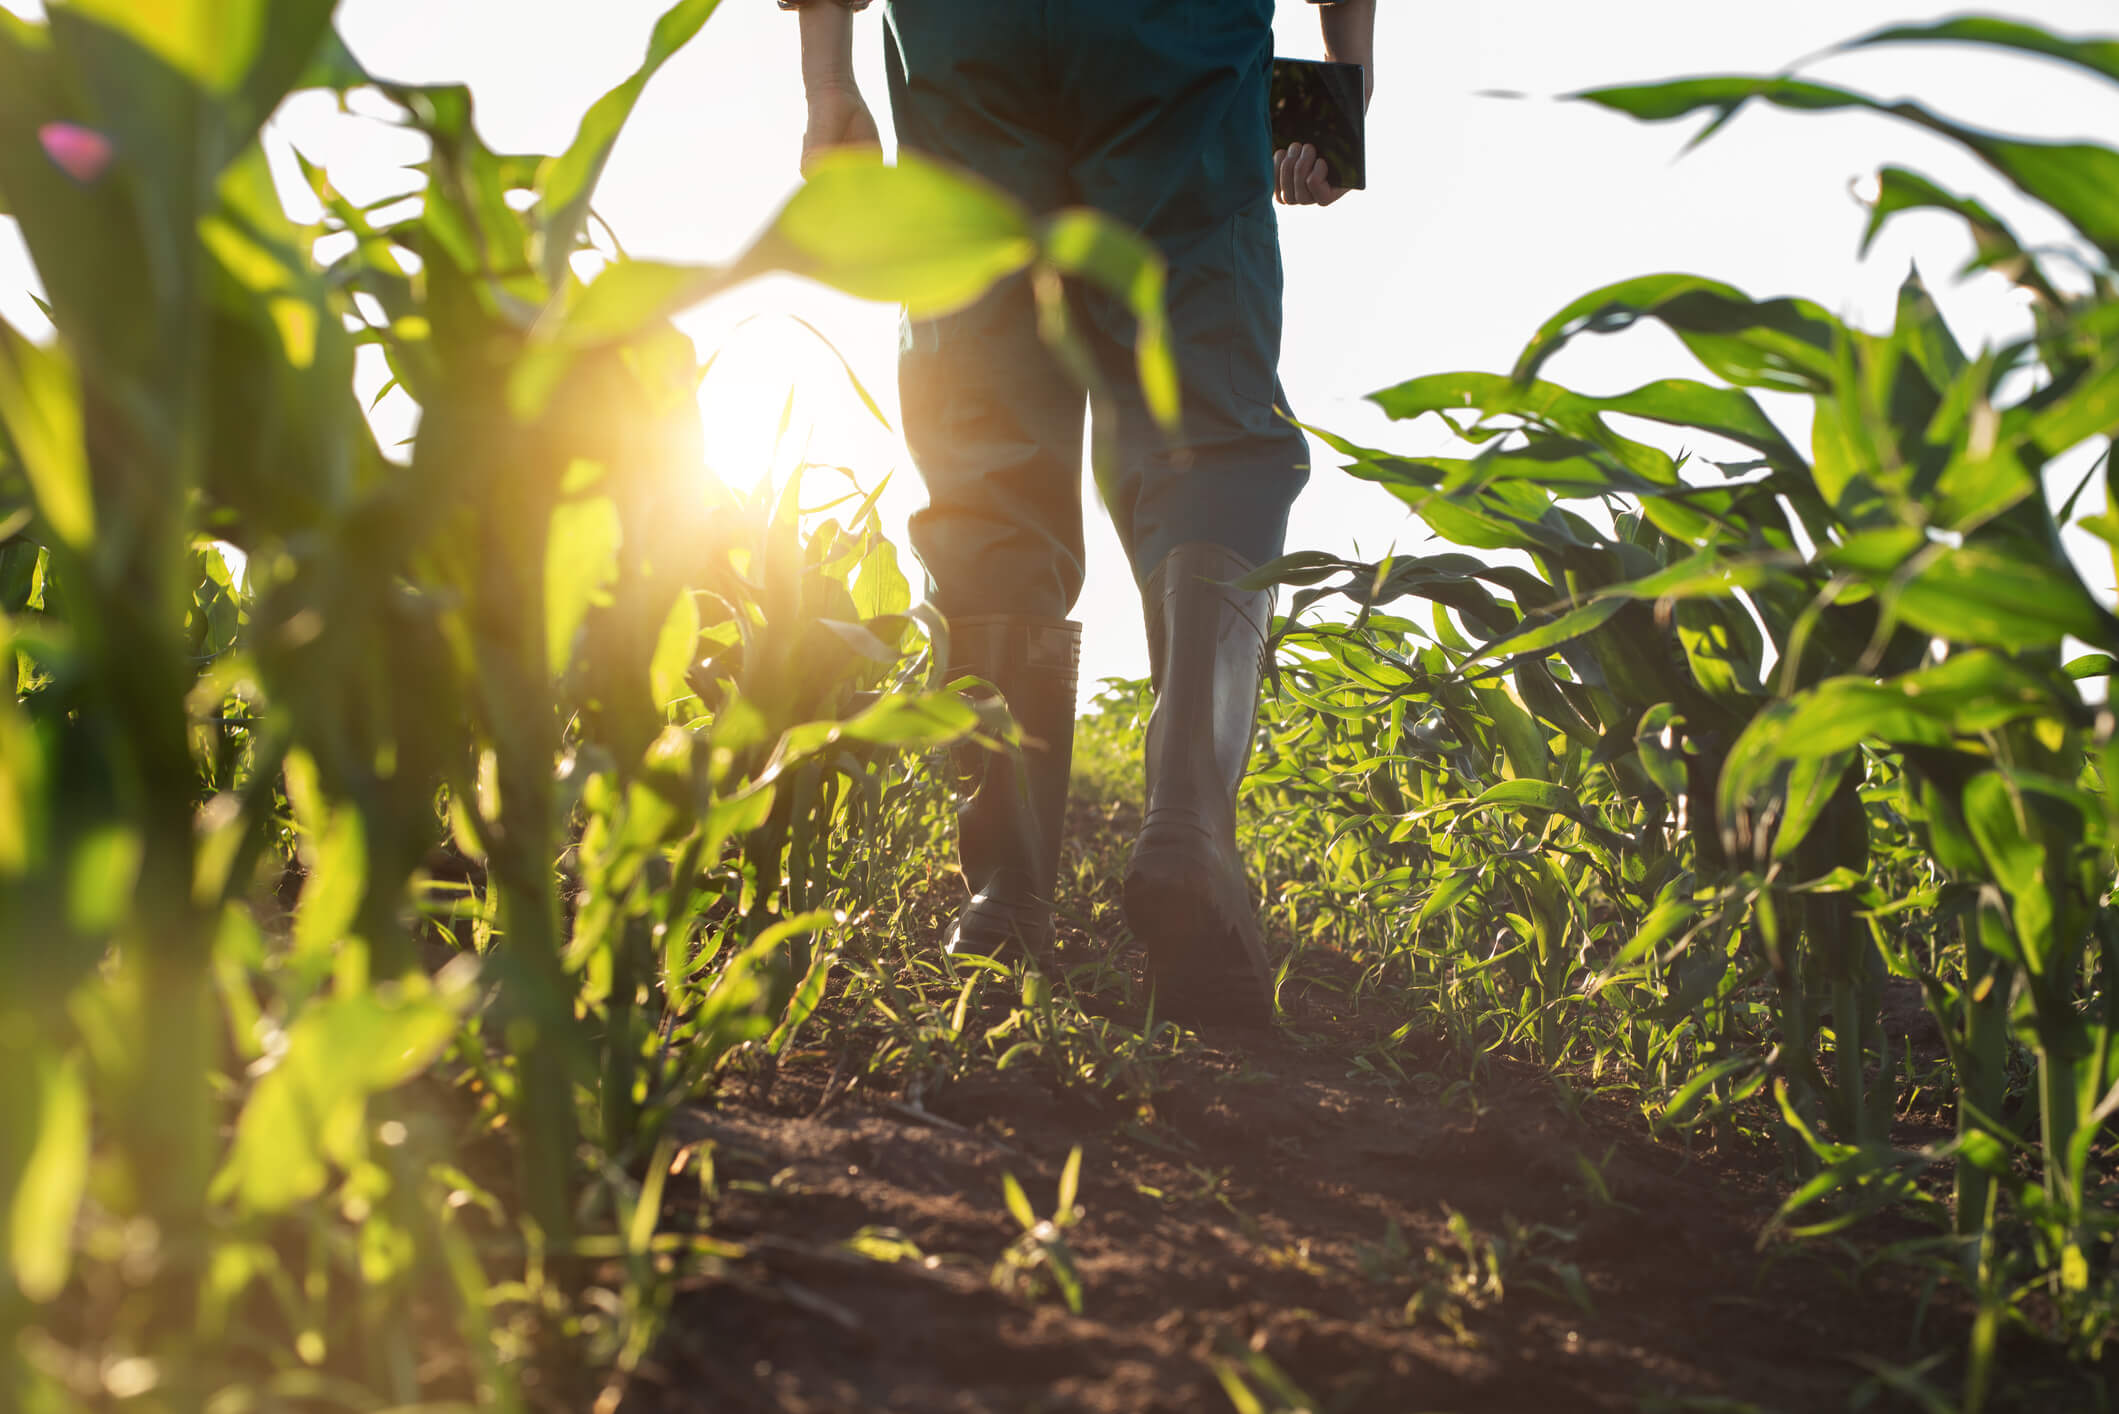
(2097, 54)
(581, 561)
(309, 1111)
(917, 233)
(40, 405)
(1092, 245)
(47, 1191)
(1980, 594)
(569, 181)
(2079, 180)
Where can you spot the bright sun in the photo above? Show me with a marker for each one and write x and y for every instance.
(775, 396)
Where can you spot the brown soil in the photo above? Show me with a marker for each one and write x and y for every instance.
(1249, 1214)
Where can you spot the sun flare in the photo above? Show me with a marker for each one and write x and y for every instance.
(775, 394)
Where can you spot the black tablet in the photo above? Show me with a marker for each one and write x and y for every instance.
(1321, 104)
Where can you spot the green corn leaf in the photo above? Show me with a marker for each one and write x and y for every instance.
(1920, 330)
(1812, 783)
(1725, 412)
(25, 32)
(1920, 713)
(1522, 741)
(1882, 551)
(333, 67)
(1544, 636)
(331, 895)
(2097, 55)
(1483, 526)
(931, 719)
(1446, 632)
(804, 1003)
(1018, 1202)
(1541, 694)
(917, 234)
(865, 640)
(1981, 483)
(1698, 1084)
(25, 833)
(754, 990)
(86, 238)
(308, 1112)
(190, 78)
(676, 649)
(1239, 1394)
(567, 183)
(102, 875)
(1705, 575)
(2077, 179)
(1564, 466)
(46, 1191)
(1090, 244)
(1682, 402)
(581, 562)
(1723, 646)
(40, 406)
(1968, 694)
(647, 1208)
(2018, 860)
(630, 295)
(1658, 737)
(1526, 795)
(2089, 409)
(2003, 597)
(1670, 917)
(1304, 567)
(1070, 1182)
(1783, 344)
(880, 589)
(1995, 246)
(1449, 891)
(211, 42)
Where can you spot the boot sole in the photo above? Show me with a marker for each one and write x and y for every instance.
(1208, 963)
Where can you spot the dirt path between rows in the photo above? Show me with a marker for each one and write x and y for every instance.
(1276, 1219)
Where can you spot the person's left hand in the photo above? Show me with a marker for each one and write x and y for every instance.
(837, 118)
(1300, 177)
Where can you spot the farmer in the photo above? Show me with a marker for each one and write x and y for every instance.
(1154, 111)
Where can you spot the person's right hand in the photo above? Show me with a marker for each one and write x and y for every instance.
(1300, 177)
(837, 118)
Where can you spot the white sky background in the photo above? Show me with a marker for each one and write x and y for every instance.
(1483, 217)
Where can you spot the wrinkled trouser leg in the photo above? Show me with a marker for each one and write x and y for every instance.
(1153, 111)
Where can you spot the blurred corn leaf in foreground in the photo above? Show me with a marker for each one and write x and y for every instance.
(510, 787)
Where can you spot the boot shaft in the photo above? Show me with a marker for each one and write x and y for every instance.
(1206, 648)
(1011, 812)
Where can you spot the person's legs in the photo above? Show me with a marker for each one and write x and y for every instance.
(993, 422)
(1200, 509)
(994, 425)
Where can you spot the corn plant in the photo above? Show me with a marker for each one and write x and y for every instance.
(1042, 1250)
(365, 917)
(1781, 726)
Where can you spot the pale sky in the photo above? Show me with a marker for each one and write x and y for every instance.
(1483, 215)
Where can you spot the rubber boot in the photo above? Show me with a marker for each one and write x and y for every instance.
(1186, 897)
(1010, 812)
